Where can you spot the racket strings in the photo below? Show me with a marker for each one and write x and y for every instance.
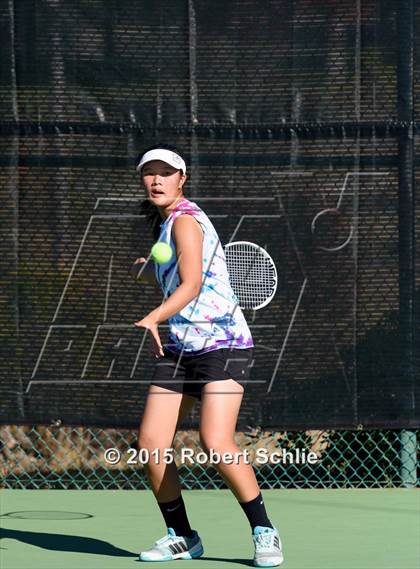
(252, 274)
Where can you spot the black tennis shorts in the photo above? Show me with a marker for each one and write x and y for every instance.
(188, 373)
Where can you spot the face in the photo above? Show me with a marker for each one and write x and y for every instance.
(163, 184)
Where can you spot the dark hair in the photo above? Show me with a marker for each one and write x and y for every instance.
(146, 208)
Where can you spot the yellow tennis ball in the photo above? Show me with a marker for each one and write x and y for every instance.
(161, 253)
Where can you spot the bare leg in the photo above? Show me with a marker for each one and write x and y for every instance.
(221, 401)
(163, 412)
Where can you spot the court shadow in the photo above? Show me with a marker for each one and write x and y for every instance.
(60, 542)
(247, 562)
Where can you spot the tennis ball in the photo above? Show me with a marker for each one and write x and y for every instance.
(161, 252)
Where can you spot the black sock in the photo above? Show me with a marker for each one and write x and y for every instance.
(255, 512)
(176, 516)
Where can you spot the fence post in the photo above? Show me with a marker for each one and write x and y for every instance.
(408, 457)
(406, 216)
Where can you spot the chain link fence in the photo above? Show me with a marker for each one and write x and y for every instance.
(75, 458)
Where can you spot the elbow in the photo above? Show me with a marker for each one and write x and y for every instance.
(194, 289)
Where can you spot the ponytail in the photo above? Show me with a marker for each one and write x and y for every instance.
(152, 217)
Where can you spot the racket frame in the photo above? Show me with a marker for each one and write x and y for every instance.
(268, 257)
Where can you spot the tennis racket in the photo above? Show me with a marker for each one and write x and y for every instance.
(252, 273)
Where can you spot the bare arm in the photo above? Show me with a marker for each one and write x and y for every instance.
(188, 237)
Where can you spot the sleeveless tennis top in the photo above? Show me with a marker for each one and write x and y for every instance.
(213, 319)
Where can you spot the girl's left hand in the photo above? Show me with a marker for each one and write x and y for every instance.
(152, 326)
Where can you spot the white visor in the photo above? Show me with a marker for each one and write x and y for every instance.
(167, 156)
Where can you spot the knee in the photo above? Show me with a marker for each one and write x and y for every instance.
(148, 440)
(215, 441)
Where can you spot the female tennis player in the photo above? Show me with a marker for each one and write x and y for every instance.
(207, 355)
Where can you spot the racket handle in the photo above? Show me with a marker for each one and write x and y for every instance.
(143, 271)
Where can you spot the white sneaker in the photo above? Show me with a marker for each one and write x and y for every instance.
(174, 546)
(268, 547)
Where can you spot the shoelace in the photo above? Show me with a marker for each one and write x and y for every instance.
(170, 538)
(264, 540)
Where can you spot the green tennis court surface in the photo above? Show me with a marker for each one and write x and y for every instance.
(340, 529)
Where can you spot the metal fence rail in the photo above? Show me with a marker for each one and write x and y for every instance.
(41, 457)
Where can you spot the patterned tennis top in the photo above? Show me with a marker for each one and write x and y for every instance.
(213, 319)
